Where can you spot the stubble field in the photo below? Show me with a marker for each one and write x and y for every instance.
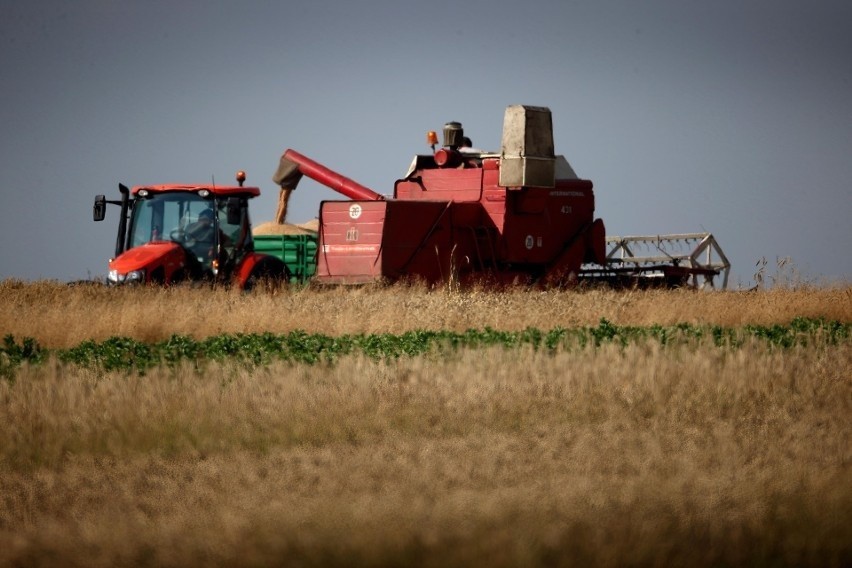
(620, 453)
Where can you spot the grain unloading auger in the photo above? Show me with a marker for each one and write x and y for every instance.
(520, 216)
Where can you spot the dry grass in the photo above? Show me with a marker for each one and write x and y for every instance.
(58, 316)
(609, 457)
(644, 455)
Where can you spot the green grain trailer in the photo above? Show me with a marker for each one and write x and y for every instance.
(299, 253)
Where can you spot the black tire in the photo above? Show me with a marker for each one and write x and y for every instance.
(158, 277)
(179, 277)
(268, 274)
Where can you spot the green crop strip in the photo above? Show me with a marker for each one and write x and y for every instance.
(122, 353)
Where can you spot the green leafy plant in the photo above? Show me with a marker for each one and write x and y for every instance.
(12, 355)
(123, 353)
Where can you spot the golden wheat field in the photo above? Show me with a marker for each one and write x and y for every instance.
(57, 315)
(636, 455)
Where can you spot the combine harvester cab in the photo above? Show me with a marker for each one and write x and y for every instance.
(169, 234)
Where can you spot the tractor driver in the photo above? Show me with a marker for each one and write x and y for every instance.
(202, 230)
(200, 237)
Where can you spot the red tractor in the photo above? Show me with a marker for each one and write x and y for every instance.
(174, 233)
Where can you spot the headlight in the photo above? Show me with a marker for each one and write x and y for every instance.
(134, 276)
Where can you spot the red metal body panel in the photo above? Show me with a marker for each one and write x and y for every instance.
(350, 241)
(539, 222)
(442, 185)
(417, 240)
(428, 240)
(159, 259)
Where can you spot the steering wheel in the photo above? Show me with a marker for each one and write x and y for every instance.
(182, 237)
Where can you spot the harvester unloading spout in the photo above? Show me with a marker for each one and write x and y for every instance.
(294, 165)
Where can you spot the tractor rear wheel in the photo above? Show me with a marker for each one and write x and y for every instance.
(268, 274)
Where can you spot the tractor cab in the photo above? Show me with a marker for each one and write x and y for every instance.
(198, 221)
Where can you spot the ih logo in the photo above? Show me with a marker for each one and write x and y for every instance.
(531, 242)
(352, 234)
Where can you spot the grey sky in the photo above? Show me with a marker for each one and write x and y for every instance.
(729, 116)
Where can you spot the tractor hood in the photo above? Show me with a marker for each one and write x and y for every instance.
(154, 261)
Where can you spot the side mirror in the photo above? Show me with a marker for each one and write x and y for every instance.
(99, 209)
(235, 211)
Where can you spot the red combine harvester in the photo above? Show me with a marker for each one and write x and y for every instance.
(520, 216)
